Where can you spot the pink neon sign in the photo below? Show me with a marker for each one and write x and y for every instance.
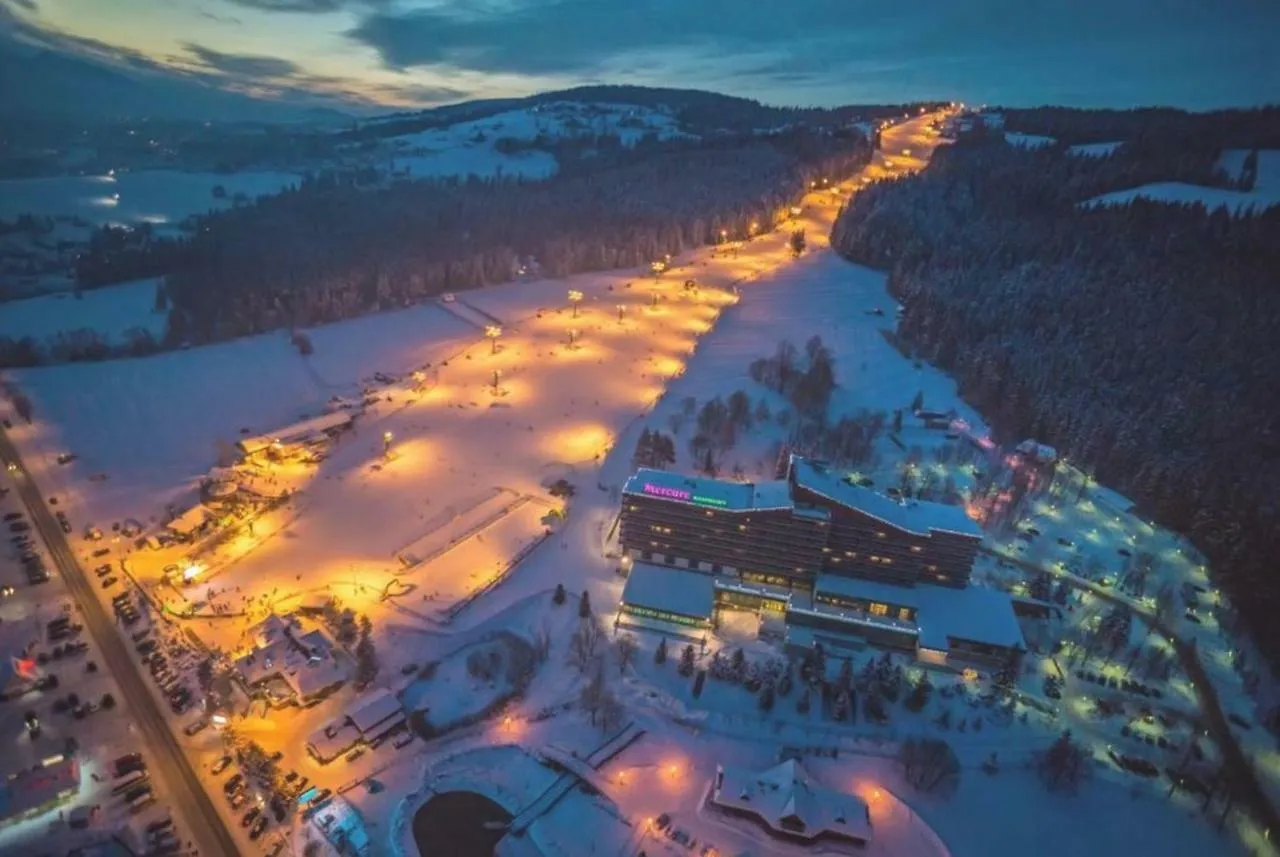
(663, 491)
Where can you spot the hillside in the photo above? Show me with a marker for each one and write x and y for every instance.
(1140, 338)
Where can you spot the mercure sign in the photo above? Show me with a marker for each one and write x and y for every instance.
(681, 494)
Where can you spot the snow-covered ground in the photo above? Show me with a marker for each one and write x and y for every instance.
(575, 413)
(109, 312)
(1264, 195)
(1028, 141)
(158, 197)
(1094, 150)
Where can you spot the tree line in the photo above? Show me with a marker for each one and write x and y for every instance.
(1138, 339)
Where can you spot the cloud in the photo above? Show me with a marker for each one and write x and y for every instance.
(221, 19)
(246, 66)
(304, 6)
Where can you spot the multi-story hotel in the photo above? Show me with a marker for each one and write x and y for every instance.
(840, 562)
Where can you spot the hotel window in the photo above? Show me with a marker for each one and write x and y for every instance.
(916, 548)
(878, 609)
(932, 567)
(742, 528)
(881, 535)
(905, 614)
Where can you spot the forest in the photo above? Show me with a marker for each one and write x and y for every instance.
(330, 250)
(1140, 339)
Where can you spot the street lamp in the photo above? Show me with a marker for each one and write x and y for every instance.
(621, 309)
(575, 298)
(496, 375)
(655, 298)
(386, 443)
(724, 234)
(573, 337)
(753, 228)
(493, 331)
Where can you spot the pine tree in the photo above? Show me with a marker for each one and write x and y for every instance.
(660, 654)
(584, 605)
(558, 596)
(687, 657)
(917, 403)
(803, 702)
(766, 697)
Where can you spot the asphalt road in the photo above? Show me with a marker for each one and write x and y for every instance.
(186, 795)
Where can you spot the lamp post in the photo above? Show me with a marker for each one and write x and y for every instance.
(573, 338)
(386, 444)
(621, 309)
(496, 375)
(493, 331)
(575, 298)
(655, 298)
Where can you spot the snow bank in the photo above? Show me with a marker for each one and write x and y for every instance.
(1239, 202)
(1094, 150)
(1027, 141)
(109, 311)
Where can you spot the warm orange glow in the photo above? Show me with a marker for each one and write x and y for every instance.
(582, 442)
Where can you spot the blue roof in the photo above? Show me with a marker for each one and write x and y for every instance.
(670, 590)
(920, 517)
(713, 493)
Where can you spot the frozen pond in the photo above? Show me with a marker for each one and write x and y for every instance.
(155, 196)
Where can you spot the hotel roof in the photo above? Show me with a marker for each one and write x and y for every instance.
(976, 614)
(670, 590)
(704, 491)
(914, 516)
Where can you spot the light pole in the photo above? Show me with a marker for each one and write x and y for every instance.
(655, 298)
(386, 444)
(621, 309)
(496, 375)
(573, 338)
(753, 228)
(575, 298)
(493, 331)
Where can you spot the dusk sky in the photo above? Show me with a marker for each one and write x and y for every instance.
(1187, 53)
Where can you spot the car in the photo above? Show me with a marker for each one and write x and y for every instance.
(259, 827)
(403, 741)
(355, 754)
(19, 527)
(12, 516)
(1065, 542)
(159, 826)
(108, 582)
(146, 646)
(101, 552)
(233, 784)
(103, 570)
(237, 800)
(139, 636)
(276, 849)
(1192, 617)
(180, 707)
(6, 591)
(196, 727)
(222, 764)
(250, 816)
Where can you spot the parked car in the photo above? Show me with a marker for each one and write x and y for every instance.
(259, 827)
(222, 764)
(196, 727)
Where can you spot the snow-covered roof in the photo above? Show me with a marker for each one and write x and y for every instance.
(1111, 498)
(375, 709)
(189, 520)
(704, 491)
(920, 517)
(790, 801)
(1038, 451)
(296, 431)
(976, 614)
(670, 590)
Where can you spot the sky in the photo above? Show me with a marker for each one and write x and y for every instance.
(397, 53)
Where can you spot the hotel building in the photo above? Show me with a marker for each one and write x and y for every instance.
(842, 564)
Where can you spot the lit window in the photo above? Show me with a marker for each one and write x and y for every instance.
(878, 609)
(932, 567)
(905, 614)
(916, 548)
(881, 535)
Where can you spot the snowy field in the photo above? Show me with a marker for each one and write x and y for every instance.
(1094, 150)
(109, 311)
(1028, 141)
(575, 412)
(151, 196)
(1264, 195)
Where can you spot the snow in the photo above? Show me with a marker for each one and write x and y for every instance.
(1094, 150)
(786, 791)
(1028, 141)
(1264, 195)
(576, 414)
(373, 710)
(110, 311)
(920, 517)
(451, 694)
(159, 197)
(670, 590)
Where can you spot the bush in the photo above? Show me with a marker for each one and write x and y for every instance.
(559, 596)
(929, 764)
(660, 654)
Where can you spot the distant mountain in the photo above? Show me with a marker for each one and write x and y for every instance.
(44, 85)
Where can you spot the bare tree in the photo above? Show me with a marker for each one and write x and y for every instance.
(625, 647)
(542, 642)
(1064, 765)
(584, 645)
(594, 694)
(929, 764)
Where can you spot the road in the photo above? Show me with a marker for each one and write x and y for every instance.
(1242, 778)
(185, 793)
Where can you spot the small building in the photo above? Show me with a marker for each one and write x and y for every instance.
(288, 665)
(789, 804)
(377, 715)
(37, 790)
(657, 597)
(1037, 453)
(299, 432)
(190, 523)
